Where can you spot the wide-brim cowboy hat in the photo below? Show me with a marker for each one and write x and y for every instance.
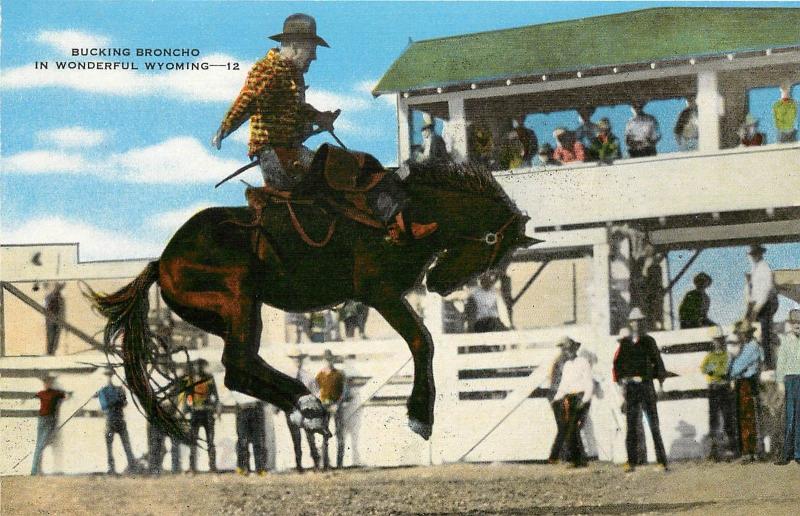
(328, 354)
(794, 316)
(702, 280)
(300, 26)
(757, 249)
(603, 124)
(427, 122)
(744, 326)
(636, 314)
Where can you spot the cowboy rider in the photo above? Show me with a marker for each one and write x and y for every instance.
(273, 98)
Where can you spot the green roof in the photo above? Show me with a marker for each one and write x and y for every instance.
(631, 37)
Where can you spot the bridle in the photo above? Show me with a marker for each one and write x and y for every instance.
(494, 238)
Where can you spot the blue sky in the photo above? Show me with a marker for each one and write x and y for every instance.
(118, 161)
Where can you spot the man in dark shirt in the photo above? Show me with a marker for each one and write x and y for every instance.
(693, 310)
(49, 401)
(203, 402)
(637, 363)
(558, 408)
(113, 400)
(54, 312)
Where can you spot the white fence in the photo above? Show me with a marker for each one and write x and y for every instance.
(488, 407)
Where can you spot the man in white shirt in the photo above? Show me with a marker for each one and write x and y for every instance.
(482, 306)
(294, 425)
(762, 300)
(575, 393)
(641, 132)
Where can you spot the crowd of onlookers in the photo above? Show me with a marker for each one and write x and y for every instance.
(199, 400)
(596, 141)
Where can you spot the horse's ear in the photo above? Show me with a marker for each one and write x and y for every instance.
(527, 241)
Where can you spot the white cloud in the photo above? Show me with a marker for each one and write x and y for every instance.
(325, 100)
(64, 41)
(69, 137)
(177, 160)
(95, 243)
(170, 221)
(45, 162)
(367, 87)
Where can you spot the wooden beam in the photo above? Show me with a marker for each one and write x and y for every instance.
(527, 285)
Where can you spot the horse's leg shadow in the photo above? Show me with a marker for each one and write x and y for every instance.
(247, 372)
(421, 402)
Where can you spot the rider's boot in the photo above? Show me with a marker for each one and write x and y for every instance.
(397, 231)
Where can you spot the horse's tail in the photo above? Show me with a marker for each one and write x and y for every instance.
(126, 311)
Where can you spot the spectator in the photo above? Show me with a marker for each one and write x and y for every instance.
(744, 371)
(556, 372)
(203, 402)
(482, 303)
(641, 132)
(605, 146)
(54, 313)
(481, 144)
(748, 133)
(49, 402)
(762, 300)
(332, 392)
(686, 132)
(587, 131)
(574, 395)
(433, 147)
(354, 315)
(294, 425)
(250, 431)
(693, 310)
(787, 374)
(721, 420)
(301, 323)
(112, 401)
(512, 152)
(544, 157)
(637, 363)
(568, 149)
(527, 138)
(647, 290)
(784, 112)
(155, 446)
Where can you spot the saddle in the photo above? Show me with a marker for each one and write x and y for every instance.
(338, 182)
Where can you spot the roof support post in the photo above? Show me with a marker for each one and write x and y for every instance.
(403, 130)
(710, 108)
(457, 130)
(601, 289)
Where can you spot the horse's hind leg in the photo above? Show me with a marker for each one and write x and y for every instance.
(247, 372)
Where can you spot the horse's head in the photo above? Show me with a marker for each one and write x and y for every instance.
(479, 226)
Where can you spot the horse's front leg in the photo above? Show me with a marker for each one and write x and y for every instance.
(420, 404)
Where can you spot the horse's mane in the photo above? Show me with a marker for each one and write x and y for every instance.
(468, 177)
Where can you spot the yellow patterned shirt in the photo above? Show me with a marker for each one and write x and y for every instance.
(272, 98)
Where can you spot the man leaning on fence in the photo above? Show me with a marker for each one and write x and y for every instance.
(113, 400)
(574, 394)
(49, 401)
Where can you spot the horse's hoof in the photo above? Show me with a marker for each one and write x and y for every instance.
(310, 407)
(316, 425)
(418, 427)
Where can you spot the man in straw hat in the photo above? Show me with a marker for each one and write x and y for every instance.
(433, 147)
(744, 370)
(49, 401)
(787, 371)
(605, 146)
(294, 420)
(574, 393)
(720, 397)
(693, 310)
(637, 363)
(113, 400)
(332, 384)
(273, 98)
(762, 299)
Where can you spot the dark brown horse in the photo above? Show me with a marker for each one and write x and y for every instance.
(212, 276)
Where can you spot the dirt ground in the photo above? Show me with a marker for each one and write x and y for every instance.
(508, 489)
